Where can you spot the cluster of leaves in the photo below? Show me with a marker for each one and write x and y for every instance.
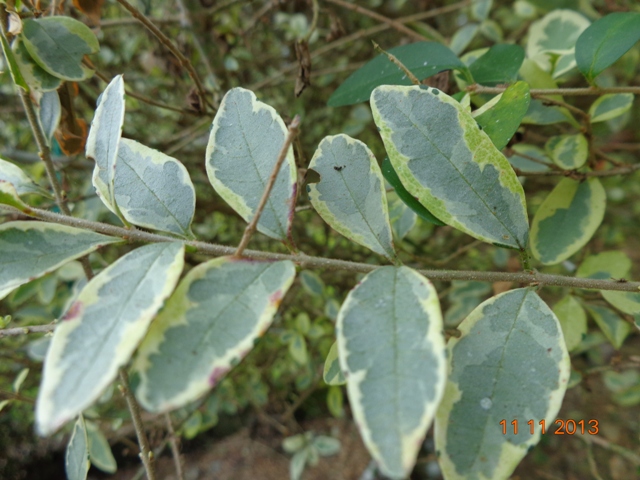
(181, 336)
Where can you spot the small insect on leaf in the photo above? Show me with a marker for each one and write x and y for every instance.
(338, 168)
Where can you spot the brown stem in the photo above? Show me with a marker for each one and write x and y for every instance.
(393, 59)
(251, 228)
(538, 92)
(175, 448)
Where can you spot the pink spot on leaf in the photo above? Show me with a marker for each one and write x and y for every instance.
(216, 375)
(73, 312)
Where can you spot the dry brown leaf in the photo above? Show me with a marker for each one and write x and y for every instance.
(303, 80)
(91, 8)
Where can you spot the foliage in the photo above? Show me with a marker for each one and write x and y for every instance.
(334, 296)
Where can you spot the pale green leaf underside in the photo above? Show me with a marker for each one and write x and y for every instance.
(9, 196)
(568, 151)
(567, 219)
(350, 194)
(49, 113)
(103, 139)
(29, 250)
(613, 327)
(246, 138)
(76, 463)
(332, 374)
(573, 320)
(21, 182)
(510, 363)
(450, 165)
(153, 190)
(101, 330)
(208, 325)
(610, 106)
(99, 450)
(392, 351)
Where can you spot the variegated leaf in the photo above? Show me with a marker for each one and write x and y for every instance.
(568, 151)
(567, 219)
(77, 455)
(614, 328)
(101, 330)
(573, 320)
(510, 363)
(34, 75)
(610, 106)
(9, 196)
(246, 138)
(392, 351)
(207, 326)
(29, 250)
(520, 160)
(332, 375)
(49, 113)
(99, 450)
(450, 165)
(350, 194)
(14, 175)
(103, 140)
(153, 190)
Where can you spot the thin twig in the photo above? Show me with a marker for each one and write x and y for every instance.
(306, 261)
(15, 331)
(314, 20)
(580, 175)
(393, 59)
(118, 22)
(631, 456)
(184, 61)
(538, 92)
(593, 466)
(175, 448)
(571, 108)
(251, 228)
(146, 455)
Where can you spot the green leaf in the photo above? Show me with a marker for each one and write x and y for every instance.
(332, 374)
(298, 462)
(410, 201)
(610, 106)
(480, 9)
(567, 219)
(573, 320)
(462, 38)
(605, 266)
(540, 114)
(49, 114)
(12, 63)
(605, 41)
(9, 196)
(499, 65)
(501, 122)
(350, 195)
(58, 45)
(153, 190)
(552, 40)
(19, 380)
(298, 349)
(568, 151)
(312, 283)
(35, 76)
(450, 165)
(29, 250)
(335, 401)
(463, 298)
(99, 450)
(402, 218)
(208, 325)
(294, 443)
(510, 363)
(103, 140)
(627, 302)
(523, 163)
(423, 59)
(246, 138)
(613, 327)
(14, 175)
(101, 330)
(77, 456)
(396, 370)
(326, 446)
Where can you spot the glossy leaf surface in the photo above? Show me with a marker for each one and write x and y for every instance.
(391, 349)
(511, 363)
(102, 328)
(500, 64)
(451, 166)
(207, 326)
(350, 195)
(34, 75)
(610, 106)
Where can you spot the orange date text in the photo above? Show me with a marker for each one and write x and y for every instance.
(563, 427)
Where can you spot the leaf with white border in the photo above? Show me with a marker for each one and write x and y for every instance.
(573, 320)
(14, 175)
(100, 331)
(332, 374)
(614, 328)
(392, 351)
(76, 463)
(510, 362)
(103, 140)
(29, 250)
(34, 75)
(207, 326)
(568, 151)
(610, 106)
(245, 140)
(99, 450)
(450, 165)
(153, 190)
(350, 194)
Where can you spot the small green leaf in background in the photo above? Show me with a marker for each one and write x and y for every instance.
(332, 374)
(501, 121)
(573, 320)
(451, 166)
(402, 218)
(14, 67)
(510, 363)
(29, 250)
(208, 325)
(605, 41)
(391, 176)
(245, 140)
(99, 450)
(14, 175)
(103, 139)
(480, 9)
(499, 65)
(521, 162)
(77, 456)
(614, 328)
(462, 38)
(298, 349)
(335, 401)
(610, 106)
(34, 75)
(298, 462)
(567, 219)
(463, 298)
(19, 380)
(101, 330)
(49, 113)
(568, 151)
(605, 266)
(350, 195)
(396, 371)
(326, 446)
(153, 190)
(9, 196)
(423, 59)
(58, 45)
(552, 40)
(312, 283)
